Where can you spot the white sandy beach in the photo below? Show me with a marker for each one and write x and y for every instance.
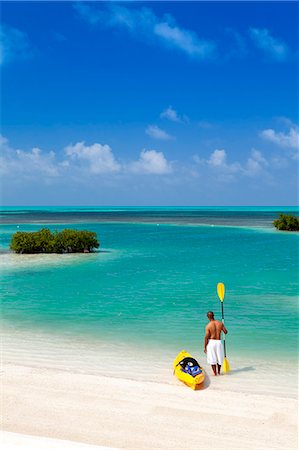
(244, 410)
(17, 441)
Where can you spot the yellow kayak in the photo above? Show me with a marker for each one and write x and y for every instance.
(187, 370)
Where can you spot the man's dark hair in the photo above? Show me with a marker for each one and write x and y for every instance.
(210, 315)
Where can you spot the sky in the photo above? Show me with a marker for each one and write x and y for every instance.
(149, 103)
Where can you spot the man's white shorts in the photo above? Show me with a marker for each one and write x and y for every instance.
(215, 352)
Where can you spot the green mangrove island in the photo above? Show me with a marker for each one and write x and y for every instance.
(287, 222)
(45, 241)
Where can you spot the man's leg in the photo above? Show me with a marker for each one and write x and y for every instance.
(219, 368)
(214, 369)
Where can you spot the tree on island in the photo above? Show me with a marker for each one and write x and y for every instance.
(44, 241)
(287, 222)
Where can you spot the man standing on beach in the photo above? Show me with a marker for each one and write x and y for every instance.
(212, 345)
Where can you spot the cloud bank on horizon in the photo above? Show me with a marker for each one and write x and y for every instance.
(98, 159)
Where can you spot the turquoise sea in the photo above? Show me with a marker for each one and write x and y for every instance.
(154, 278)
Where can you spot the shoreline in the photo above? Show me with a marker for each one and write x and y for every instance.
(137, 361)
(74, 351)
(149, 414)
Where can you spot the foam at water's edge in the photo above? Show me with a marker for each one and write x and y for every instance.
(133, 363)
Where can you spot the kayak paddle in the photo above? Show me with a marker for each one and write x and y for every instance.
(220, 292)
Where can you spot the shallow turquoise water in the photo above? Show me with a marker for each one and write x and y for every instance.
(154, 284)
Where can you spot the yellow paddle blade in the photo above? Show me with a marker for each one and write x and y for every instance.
(226, 367)
(220, 291)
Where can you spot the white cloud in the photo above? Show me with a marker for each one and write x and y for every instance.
(15, 162)
(151, 162)
(99, 158)
(283, 139)
(172, 115)
(185, 40)
(157, 133)
(77, 161)
(258, 156)
(255, 164)
(218, 160)
(41, 162)
(273, 47)
(14, 44)
(218, 163)
(144, 23)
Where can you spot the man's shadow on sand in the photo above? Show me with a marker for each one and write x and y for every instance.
(207, 380)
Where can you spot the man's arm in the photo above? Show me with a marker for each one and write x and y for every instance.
(224, 329)
(207, 337)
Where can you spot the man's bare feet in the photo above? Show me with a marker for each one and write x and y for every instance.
(214, 369)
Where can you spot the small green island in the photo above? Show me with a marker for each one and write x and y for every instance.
(45, 241)
(287, 222)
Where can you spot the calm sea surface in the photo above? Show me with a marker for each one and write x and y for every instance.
(155, 278)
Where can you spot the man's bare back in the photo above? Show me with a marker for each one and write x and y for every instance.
(214, 329)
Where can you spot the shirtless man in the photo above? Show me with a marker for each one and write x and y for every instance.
(213, 345)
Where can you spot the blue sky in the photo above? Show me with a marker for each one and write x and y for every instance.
(149, 103)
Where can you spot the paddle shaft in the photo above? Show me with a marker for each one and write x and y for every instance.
(224, 344)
